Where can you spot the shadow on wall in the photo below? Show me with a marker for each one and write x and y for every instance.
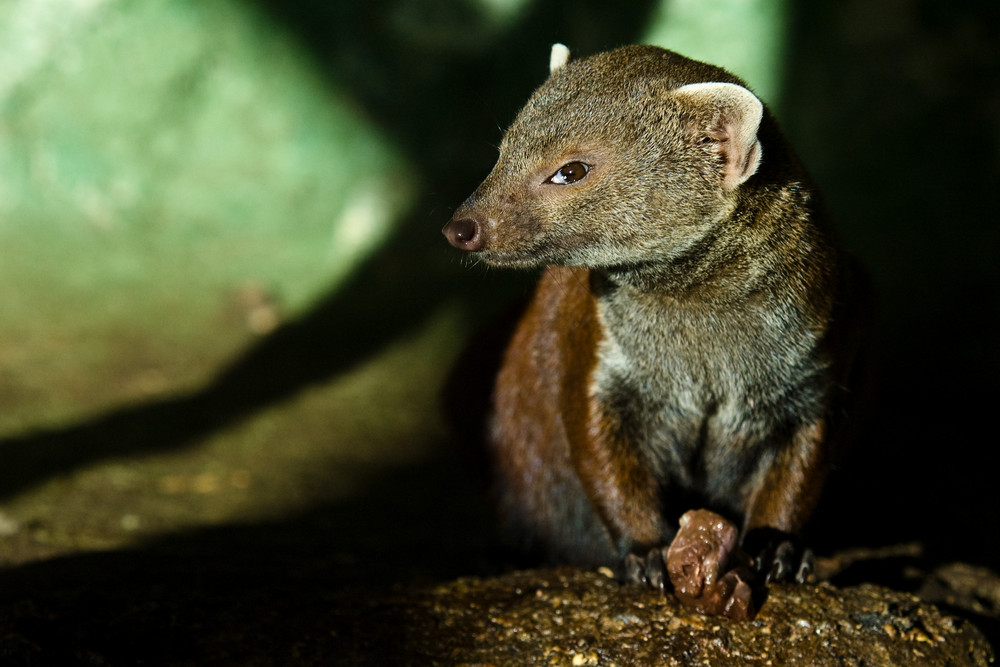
(440, 79)
(906, 120)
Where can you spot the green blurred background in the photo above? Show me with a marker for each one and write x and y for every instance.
(224, 296)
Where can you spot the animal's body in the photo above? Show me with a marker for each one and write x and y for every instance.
(692, 337)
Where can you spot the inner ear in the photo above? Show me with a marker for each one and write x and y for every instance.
(728, 116)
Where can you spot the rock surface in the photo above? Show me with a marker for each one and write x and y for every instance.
(573, 617)
(284, 593)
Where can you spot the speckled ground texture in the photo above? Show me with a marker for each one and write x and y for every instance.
(569, 617)
(243, 615)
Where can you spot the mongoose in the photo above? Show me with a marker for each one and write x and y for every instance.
(692, 336)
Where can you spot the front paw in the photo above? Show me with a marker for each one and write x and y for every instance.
(649, 570)
(779, 556)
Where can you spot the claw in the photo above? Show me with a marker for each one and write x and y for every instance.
(635, 569)
(806, 567)
(779, 556)
(650, 571)
(781, 562)
(656, 569)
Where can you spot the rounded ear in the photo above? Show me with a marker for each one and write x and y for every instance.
(727, 115)
(558, 57)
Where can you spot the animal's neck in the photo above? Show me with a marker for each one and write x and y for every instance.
(712, 272)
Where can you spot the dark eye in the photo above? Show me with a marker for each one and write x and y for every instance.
(571, 172)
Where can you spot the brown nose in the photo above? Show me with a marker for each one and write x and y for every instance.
(463, 233)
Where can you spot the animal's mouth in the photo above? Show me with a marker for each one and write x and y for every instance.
(570, 250)
(538, 254)
(510, 261)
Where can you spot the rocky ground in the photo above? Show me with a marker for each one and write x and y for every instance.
(271, 595)
(298, 512)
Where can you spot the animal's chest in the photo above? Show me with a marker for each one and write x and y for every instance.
(701, 391)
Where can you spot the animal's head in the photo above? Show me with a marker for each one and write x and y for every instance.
(625, 157)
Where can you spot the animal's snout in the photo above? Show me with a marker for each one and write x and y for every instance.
(464, 233)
